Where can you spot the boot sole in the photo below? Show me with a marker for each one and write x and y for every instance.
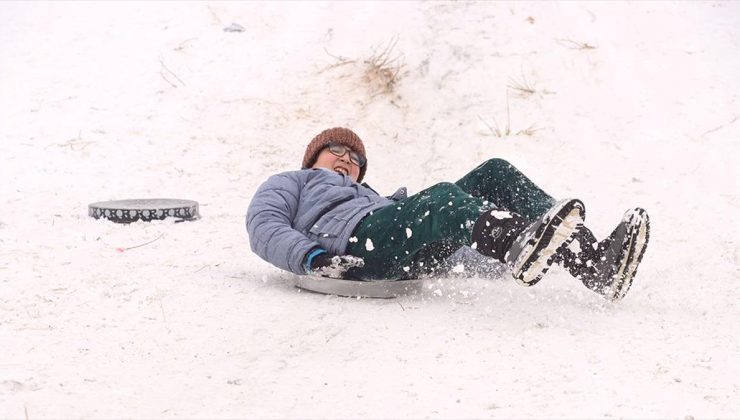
(639, 236)
(556, 232)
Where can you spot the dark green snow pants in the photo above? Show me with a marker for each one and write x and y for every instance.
(414, 236)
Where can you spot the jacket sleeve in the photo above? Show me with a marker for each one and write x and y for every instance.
(270, 224)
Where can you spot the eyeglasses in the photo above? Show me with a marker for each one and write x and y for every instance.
(339, 150)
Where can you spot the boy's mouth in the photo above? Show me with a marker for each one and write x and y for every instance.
(341, 170)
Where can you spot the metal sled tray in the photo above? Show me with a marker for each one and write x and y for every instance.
(144, 209)
(384, 289)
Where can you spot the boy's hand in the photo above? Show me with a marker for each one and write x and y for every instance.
(334, 266)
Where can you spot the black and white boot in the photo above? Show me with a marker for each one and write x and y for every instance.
(609, 267)
(528, 248)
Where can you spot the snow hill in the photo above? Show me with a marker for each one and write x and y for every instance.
(619, 104)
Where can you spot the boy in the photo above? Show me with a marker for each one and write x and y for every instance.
(322, 220)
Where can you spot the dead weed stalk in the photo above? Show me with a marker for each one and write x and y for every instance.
(382, 69)
(497, 131)
(575, 45)
(524, 88)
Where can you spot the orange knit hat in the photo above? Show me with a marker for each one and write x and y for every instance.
(341, 135)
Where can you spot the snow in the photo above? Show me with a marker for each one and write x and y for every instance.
(501, 215)
(618, 104)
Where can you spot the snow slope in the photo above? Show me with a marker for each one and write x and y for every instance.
(632, 104)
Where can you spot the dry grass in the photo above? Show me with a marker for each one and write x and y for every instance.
(382, 69)
(75, 144)
(507, 131)
(380, 72)
(529, 131)
(520, 87)
(523, 88)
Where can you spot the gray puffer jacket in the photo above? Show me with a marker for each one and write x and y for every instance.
(293, 212)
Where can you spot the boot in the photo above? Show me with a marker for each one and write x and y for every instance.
(609, 267)
(527, 248)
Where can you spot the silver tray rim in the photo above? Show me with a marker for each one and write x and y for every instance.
(381, 289)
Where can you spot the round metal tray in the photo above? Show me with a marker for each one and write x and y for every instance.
(145, 209)
(384, 289)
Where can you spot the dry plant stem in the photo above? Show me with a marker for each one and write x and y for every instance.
(575, 45)
(496, 130)
(341, 61)
(383, 59)
(145, 243)
(181, 46)
(721, 126)
(383, 68)
(526, 89)
(508, 115)
(164, 66)
(500, 133)
(167, 80)
(74, 144)
(205, 266)
(488, 125)
(522, 86)
(161, 307)
(529, 131)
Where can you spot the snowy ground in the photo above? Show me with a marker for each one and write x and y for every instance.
(632, 104)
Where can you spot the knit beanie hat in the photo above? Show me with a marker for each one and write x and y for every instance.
(340, 135)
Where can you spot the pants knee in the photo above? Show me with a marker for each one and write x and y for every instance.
(445, 189)
(496, 164)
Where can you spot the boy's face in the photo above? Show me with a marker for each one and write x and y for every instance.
(338, 164)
